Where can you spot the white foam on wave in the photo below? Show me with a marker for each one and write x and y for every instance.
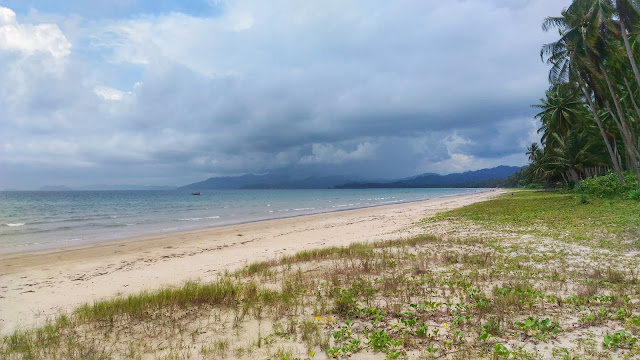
(190, 219)
(15, 224)
(213, 217)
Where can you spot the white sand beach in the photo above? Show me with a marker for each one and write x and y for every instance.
(39, 285)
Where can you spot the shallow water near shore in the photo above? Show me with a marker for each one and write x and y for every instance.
(56, 219)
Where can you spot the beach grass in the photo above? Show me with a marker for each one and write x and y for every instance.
(525, 276)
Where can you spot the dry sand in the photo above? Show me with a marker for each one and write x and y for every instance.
(38, 285)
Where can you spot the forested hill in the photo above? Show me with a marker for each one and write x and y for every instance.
(494, 177)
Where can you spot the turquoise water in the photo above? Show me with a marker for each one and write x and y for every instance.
(48, 220)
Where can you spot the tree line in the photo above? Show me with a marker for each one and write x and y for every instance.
(590, 114)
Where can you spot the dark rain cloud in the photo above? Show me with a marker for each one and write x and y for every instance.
(377, 89)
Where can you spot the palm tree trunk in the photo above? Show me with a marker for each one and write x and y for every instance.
(633, 101)
(633, 159)
(614, 159)
(616, 100)
(627, 45)
(627, 140)
(626, 132)
(574, 176)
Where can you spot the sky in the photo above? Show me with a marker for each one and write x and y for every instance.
(169, 92)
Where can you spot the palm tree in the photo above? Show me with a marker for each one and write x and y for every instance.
(577, 151)
(615, 162)
(566, 56)
(585, 54)
(562, 109)
(629, 18)
(538, 169)
(533, 152)
(601, 37)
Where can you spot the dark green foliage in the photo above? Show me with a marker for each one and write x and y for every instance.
(607, 186)
(589, 117)
(583, 199)
(634, 194)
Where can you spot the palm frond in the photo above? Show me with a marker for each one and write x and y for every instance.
(553, 22)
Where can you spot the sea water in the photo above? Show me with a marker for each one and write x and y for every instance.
(57, 219)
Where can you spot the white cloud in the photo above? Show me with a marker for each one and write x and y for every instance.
(331, 154)
(456, 163)
(455, 143)
(29, 39)
(108, 93)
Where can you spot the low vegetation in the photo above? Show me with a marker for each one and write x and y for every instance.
(526, 276)
(608, 186)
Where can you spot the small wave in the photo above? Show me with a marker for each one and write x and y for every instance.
(303, 209)
(213, 217)
(15, 224)
(104, 225)
(190, 219)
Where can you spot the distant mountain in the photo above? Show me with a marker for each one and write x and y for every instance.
(100, 187)
(282, 180)
(267, 181)
(128, 187)
(55, 188)
(479, 178)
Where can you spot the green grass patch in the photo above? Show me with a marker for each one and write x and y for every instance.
(557, 215)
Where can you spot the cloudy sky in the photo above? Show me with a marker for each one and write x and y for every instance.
(169, 92)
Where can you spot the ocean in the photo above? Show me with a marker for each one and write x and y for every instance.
(36, 220)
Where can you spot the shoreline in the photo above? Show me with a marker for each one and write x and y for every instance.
(39, 285)
(81, 243)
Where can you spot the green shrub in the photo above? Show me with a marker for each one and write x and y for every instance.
(345, 304)
(634, 194)
(584, 199)
(607, 185)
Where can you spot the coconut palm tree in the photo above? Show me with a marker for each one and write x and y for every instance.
(575, 153)
(588, 54)
(539, 169)
(562, 109)
(566, 56)
(629, 19)
(600, 29)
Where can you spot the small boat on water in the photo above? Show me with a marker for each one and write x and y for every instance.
(195, 193)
